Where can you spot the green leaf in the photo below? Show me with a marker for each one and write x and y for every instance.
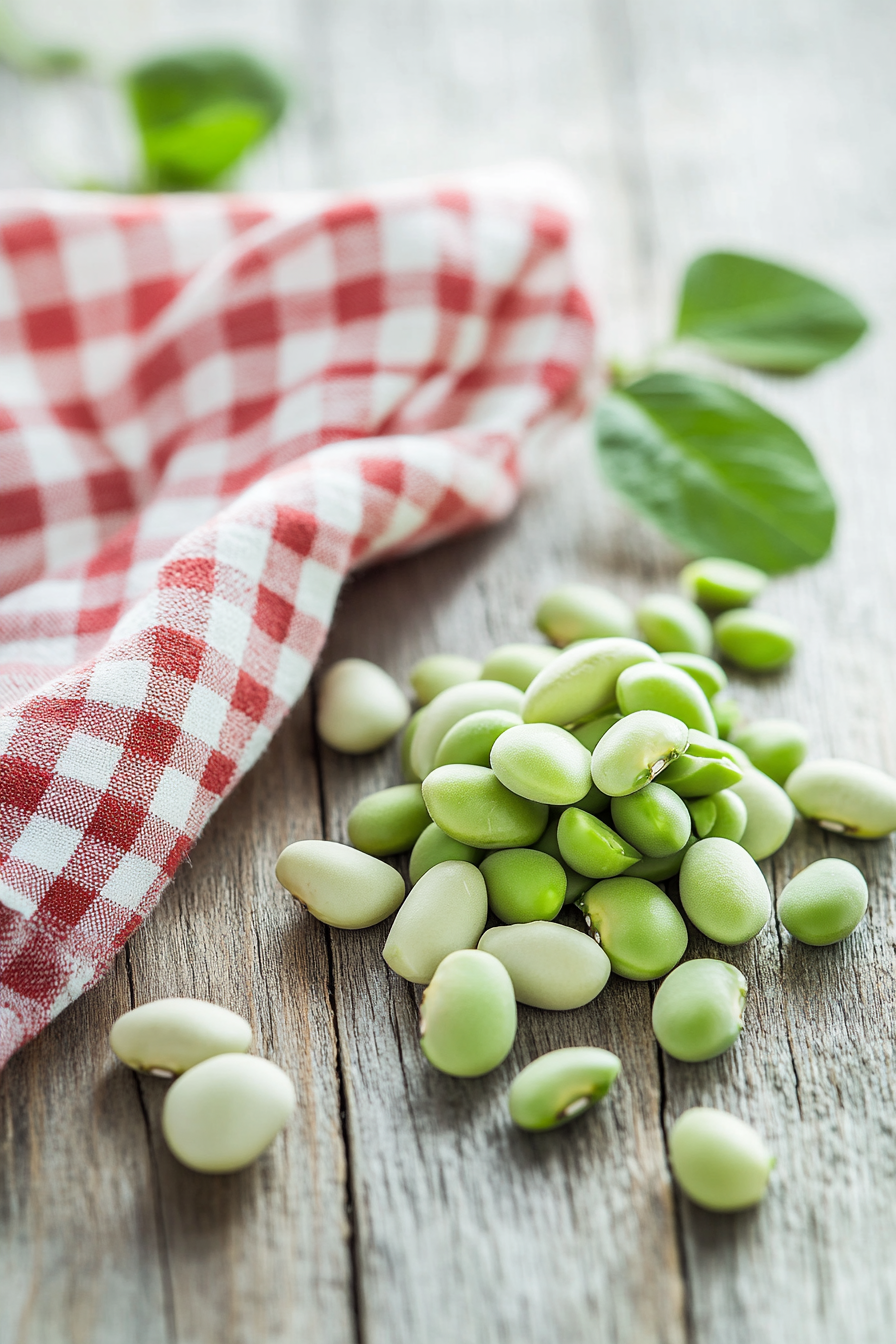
(199, 112)
(716, 472)
(765, 316)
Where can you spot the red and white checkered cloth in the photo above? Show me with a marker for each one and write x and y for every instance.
(211, 410)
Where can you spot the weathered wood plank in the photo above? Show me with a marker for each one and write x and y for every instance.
(733, 113)
(467, 1224)
(101, 1225)
(764, 125)
(79, 1240)
(704, 162)
(263, 1254)
(470, 1226)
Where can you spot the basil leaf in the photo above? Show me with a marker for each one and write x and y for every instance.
(199, 112)
(765, 316)
(716, 472)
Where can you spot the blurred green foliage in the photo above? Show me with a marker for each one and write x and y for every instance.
(198, 113)
(20, 53)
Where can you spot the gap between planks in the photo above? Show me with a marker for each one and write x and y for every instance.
(155, 1181)
(356, 1285)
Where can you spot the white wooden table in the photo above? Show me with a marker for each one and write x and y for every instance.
(401, 1207)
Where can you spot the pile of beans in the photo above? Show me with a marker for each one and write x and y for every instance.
(588, 772)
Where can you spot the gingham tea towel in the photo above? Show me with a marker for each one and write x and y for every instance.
(211, 410)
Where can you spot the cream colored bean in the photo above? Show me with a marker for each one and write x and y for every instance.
(846, 797)
(169, 1036)
(446, 911)
(339, 885)
(448, 708)
(517, 664)
(583, 611)
(360, 708)
(635, 750)
(719, 1162)
(770, 814)
(221, 1115)
(439, 671)
(468, 1015)
(581, 682)
(551, 965)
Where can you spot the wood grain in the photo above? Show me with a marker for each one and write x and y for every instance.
(458, 1217)
(814, 1071)
(264, 1254)
(100, 1224)
(401, 1205)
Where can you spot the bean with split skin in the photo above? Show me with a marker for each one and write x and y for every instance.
(561, 1085)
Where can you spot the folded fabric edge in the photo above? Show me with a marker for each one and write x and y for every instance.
(344, 507)
(383, 500)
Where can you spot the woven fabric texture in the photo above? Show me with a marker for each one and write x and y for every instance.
(211, 410)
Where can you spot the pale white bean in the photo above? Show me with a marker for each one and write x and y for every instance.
(360, 708)
(444, 912)
(221, 1115)
(551, 965)
(169, 1036)
(340, 885)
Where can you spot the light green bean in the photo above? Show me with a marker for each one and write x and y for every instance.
(468, 1015)
(439, 671)
(583, 611)
(719, 1162)
(580, 683)
(723, 891)
(359, 708)
(671, 624)
(639, 928)
(517, 664)
(470, 804)
(551, 966)
(558, 1086)
(444, 912)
